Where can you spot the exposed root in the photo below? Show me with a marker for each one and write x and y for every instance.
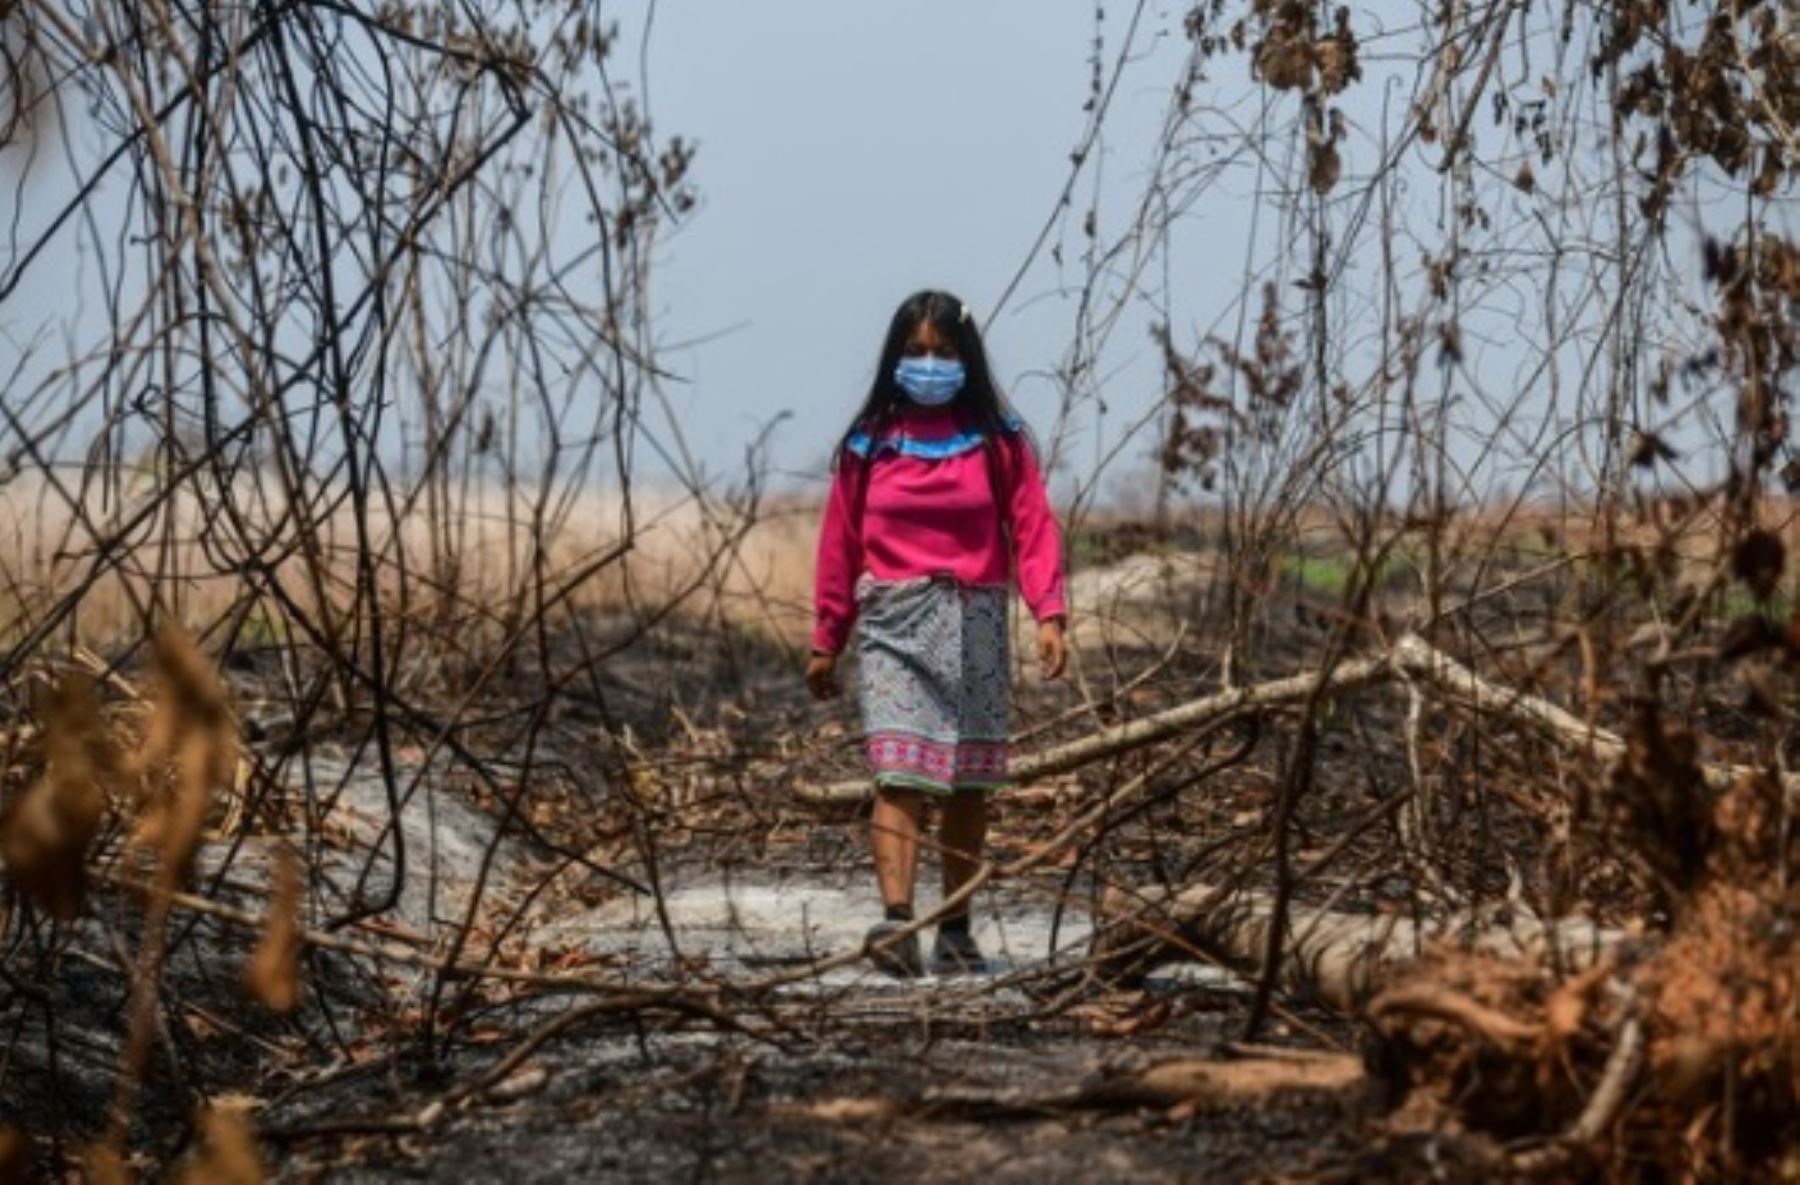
(1686, 1059)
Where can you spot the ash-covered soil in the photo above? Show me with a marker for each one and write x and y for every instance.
(675, 765)
(701, 1110)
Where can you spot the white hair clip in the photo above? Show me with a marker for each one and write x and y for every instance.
(962, 313)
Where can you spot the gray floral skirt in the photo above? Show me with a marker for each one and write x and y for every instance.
(934, 682)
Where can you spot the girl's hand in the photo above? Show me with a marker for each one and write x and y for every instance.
(1053, 651)
(821, 676)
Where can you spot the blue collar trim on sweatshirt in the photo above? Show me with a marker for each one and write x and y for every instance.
(931, 450)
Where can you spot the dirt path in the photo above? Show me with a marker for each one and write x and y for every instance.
(872, 1080)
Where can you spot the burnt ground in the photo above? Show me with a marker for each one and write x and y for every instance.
(860, 1079)
(671, 1111)
(846, 1078)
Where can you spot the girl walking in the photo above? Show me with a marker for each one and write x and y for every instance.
(936, 501)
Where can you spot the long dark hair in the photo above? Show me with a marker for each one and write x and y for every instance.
(978, 405)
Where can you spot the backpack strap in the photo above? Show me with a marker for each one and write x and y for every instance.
(998, 484)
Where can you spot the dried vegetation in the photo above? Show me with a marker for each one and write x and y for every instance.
(1442, 704)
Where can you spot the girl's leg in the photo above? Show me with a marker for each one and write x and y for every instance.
(963, 834)
(894, 836)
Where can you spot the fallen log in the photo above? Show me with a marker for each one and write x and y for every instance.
(1207, 1083)
(1193, 1084)
(1411, 656)
(1333, 957)
(1135, 734)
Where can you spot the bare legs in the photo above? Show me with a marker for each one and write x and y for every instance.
(894, 834)
(962, 832)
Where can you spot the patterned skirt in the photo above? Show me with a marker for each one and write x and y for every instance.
(934, 685)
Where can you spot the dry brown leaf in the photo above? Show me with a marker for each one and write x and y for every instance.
(847, 1110)
(272, 975)
(1284, 61)
(526, 1080)
(102, 1164)
(1333, 62)
(1326, 167)
(1568, 1005)
(228, 1154)
(46, 836)
(16, 1166)
(1564, 1013)
(200, 1025)
(1135, 1022)
(190, 748)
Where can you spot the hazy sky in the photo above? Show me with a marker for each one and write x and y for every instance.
(850, 153)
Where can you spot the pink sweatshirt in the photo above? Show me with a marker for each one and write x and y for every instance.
(927, 496)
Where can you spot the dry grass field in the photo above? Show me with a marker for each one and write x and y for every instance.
(466, 565)
(473, 561)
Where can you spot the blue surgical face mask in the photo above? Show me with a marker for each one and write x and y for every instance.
(930, 381)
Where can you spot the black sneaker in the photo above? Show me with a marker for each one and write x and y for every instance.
(955, 953)
(898, 957)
